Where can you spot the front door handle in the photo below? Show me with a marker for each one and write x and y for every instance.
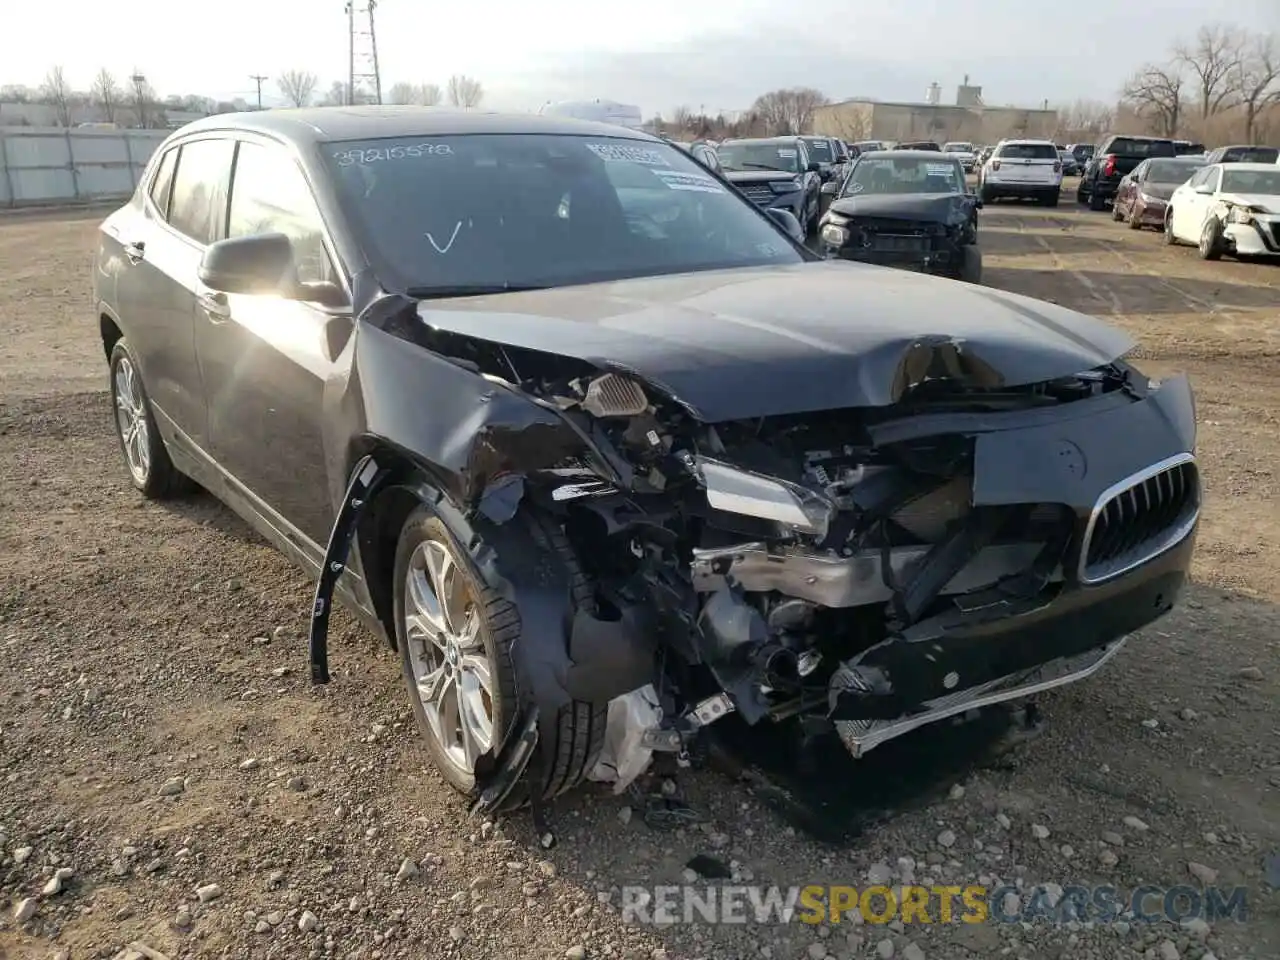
(136, 251)
(216, 306)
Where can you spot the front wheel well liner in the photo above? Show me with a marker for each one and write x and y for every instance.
(111, 333)
(378, 529)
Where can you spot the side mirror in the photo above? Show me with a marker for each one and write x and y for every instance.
(260, 264)
(830, 188)
(1205, 190)
(788, 222)
(814, 167)
(977, 202)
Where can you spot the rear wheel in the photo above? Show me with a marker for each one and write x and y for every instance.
(987, 194)
(150, 469)
(1096, 202)
(1116, 213)
(456, 633)
(1135, 217)
(1050, 198)
(1082, 195)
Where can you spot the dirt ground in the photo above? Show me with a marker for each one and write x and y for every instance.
(141, 643)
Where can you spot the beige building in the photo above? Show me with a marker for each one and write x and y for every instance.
(969, 119)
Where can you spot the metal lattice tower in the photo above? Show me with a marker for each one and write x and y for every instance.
(364, 83)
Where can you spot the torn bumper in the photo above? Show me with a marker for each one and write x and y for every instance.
(1130, 477)
(1259, 238)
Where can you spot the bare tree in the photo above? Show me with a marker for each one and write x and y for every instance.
(682, 119)
(142, 98)
(57, 91)
(430, 95)
(1212, 58)
(1256, 81)
(464, 91)
(337, 96)
(14, 93)
(106, 94)
(1156, 94)
(850, 125)
(1084, 120)
(788, 111)
(402, 93)
(298, 86)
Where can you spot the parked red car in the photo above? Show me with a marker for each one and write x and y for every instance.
(1143, 196)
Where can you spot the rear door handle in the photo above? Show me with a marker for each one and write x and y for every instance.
(216, 306)
(136, 252)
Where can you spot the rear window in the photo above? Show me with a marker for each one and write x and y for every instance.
(1252, 155)
(1171, 171)
(1129, 147)
(820, 149)
(1027, 151)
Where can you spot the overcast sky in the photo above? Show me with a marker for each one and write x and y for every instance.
(717, 54)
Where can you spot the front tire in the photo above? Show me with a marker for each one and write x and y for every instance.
(1211, 243)
(971, 264)
(145, 455)
(456, 657)
(1170, 240)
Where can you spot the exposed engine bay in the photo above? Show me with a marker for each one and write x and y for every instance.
(793, 560)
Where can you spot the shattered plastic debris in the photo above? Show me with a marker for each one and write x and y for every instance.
(624, 756)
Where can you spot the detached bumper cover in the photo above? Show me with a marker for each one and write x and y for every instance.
(1259, 238)
(1128, 473)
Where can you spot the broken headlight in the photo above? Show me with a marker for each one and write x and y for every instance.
(755, 495)
(834, 230)
(1240, 215)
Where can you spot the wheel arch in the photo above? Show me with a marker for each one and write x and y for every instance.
(109, 329)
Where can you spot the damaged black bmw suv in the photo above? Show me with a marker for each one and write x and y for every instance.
(564, 417)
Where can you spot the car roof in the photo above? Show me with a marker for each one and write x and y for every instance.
(1027, 140)
(1247, 167)
(307, 125)
(761, 140)
(930, 155)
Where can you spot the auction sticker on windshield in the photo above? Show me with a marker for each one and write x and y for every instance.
(940, 169)
(786, 153)
(613, 152)
(688, 180)
(346, 158)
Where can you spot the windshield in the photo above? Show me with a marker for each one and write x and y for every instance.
(1168, 171)
(957, 148)
(760, 156)
(887, 175)
(543, 210)
(1251, 181)
(819, 149)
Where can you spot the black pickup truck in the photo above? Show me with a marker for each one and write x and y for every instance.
(1117, 155)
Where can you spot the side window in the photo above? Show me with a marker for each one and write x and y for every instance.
(162, 182)
(1140, 174)
(1214, 178)
(270, 195)
(1196, 179)
(198, 205)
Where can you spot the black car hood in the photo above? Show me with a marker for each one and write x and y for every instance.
(758, 176)
(762, 341)
(936, 207)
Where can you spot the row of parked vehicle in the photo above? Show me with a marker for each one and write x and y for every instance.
(909, 206)
(1224, 201)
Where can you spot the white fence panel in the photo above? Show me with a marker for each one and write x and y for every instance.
(52, 165)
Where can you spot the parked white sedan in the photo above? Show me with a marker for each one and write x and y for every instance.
(1228, 208)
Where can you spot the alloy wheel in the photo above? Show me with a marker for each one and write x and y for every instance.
(131, 420)
(451, 669)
